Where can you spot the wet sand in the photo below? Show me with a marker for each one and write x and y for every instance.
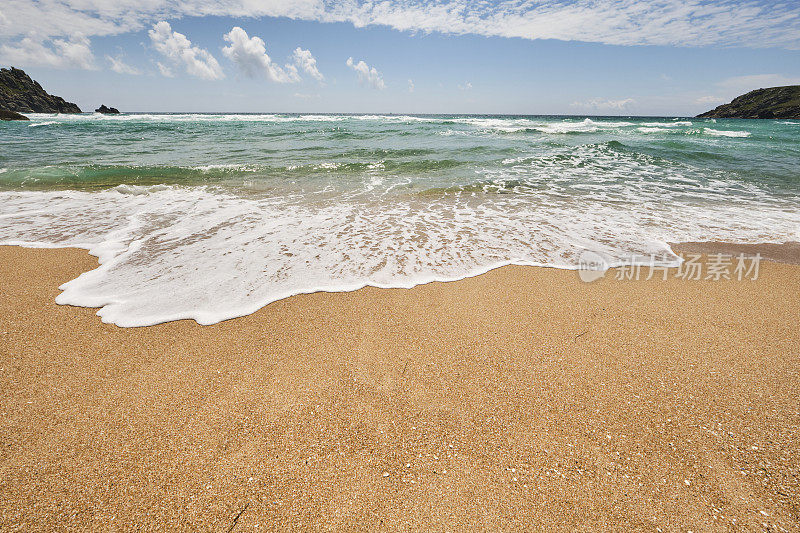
(788, 252)
(519, 399)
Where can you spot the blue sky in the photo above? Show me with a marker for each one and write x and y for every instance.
(615, 57)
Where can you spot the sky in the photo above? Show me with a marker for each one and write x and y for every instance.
(574, 57)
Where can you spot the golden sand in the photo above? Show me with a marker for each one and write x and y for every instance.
(519, 399)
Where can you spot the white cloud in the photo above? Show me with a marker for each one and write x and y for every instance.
(76, 52)
(306, 62)
(366, 74)
(250, 55)
(411, 86)
(119, 66)
(742, 84)
(729, 88)
(710, 100)
(165, 70)
(748, 23)
(59, 53)
(600, 104)
(304, 96)
(180, 51)
(466, 86)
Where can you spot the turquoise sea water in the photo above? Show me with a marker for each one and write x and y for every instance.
(213, 216)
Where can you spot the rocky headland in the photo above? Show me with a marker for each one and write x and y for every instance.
(21, 94)
(774, 102)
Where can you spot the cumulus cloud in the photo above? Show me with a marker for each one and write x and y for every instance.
(58, 53)
(119, 66)
(180, 51)
(250, 55)
(748, 23)
(366, 74)
(165, 70)
(307, 63)
(411, 86)
(466, 86)
(600, 104)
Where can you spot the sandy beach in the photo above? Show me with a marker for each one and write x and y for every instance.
(520, 399)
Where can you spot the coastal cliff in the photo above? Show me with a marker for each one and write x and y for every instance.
(18, 92)
(774, 102)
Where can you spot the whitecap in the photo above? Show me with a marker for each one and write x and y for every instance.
(667, 124)
(726, 133)
(228, 166)
(586, 126)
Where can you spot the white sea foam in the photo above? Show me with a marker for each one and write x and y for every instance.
(560, 127)
(673, 124)
(209, 253)
(498, 124)
(587, 126)
(139, 189)
(724, 133)
(552, 127)
(230, 166)
(46, 123)
(308, 212)
(159, 117)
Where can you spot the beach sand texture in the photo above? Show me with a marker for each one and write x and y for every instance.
(519, 399)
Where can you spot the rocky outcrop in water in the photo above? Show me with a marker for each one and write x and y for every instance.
(775, 102)
(18, 92)
(10, 115)
(107, 110)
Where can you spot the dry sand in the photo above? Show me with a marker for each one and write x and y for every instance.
(519, 399)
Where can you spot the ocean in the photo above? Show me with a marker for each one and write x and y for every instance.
(213, 216)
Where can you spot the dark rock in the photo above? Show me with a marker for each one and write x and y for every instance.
(107, 110)
(11, 115)
(775, 102)
(18, 92)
